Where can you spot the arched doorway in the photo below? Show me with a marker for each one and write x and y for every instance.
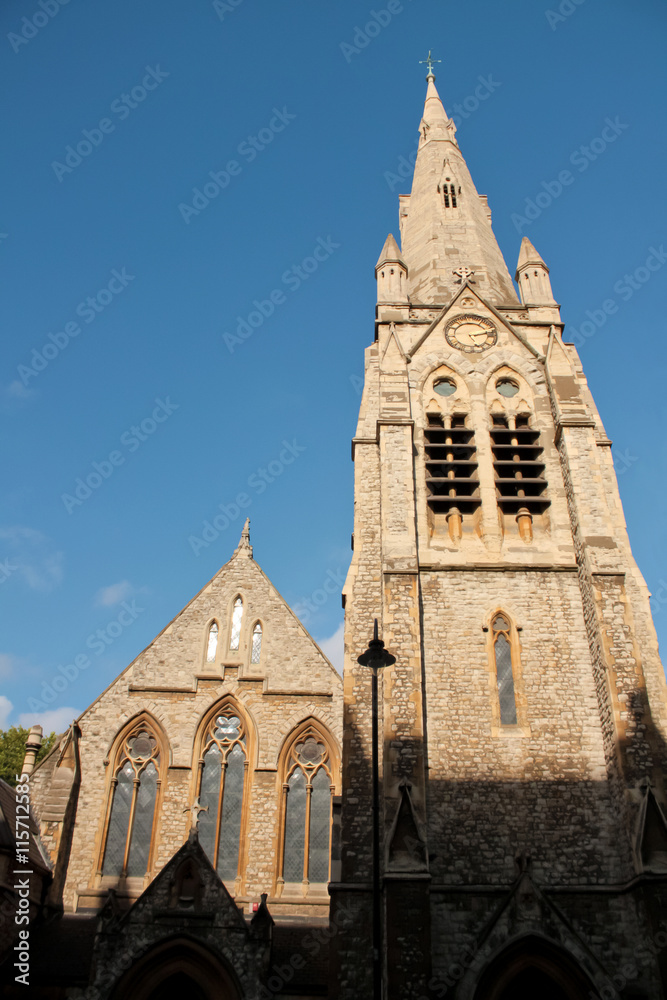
(533, 968)
(178, 987)
(176, 969)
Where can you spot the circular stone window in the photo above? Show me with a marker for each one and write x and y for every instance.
(445, 387)
(506, 387)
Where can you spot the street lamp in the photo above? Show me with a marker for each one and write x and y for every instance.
(376, 657)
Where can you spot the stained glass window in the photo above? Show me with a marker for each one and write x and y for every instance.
(221, 793)
(114, 855)
(212, 643)
(237, 617)
(295, 827)
(140, 843)
(320, 823)
(209, 794)
(130, 829)
(256, 643)
(308, 813)
(230, 821)
(504, 676)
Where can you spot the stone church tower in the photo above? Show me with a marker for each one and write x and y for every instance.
(523, 724)
(207, 822)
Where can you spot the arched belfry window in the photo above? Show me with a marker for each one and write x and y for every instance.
(222, 781)
(449, 194)
(307, 792)
(212, 643)
(256, 643)
(449, 187)
(134, 791)
(237, 618)
(518, 455)
(502, 652)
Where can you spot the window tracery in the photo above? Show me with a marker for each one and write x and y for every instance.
(222, 782)
(307, 810)
(502, 653)
(134, 791)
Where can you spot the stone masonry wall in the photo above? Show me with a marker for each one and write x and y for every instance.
(172, 683)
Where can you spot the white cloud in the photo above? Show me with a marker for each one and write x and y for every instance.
(333, 647)
(7, 664)
(113, 594)
(17, 390)
(31, 556)
(54, 720)
(5, 710)
(14, 394)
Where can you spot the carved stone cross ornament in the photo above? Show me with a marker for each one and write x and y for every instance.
(464, 274)
(195, 809)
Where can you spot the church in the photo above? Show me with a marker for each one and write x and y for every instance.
(217, 824)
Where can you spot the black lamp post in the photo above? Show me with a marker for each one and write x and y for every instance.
(376, 657)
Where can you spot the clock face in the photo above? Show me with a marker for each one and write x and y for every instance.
(472, 334)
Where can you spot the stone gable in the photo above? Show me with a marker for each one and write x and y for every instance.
(172, 688)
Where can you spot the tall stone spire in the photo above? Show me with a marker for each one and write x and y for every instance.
(445, 223)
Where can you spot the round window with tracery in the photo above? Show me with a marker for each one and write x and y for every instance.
(141, 747)
(310, 753)
(227, 727)
(445, 387)
(507, 387)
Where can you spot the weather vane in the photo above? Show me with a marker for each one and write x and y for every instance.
(429, 63)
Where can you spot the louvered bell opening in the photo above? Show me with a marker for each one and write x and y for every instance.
(519, 469)
(451, 468)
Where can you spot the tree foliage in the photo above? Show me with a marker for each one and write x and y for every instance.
(12, 751)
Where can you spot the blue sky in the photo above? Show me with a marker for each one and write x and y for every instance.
(141, 292)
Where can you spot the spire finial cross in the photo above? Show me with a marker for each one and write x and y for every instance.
(428, 62)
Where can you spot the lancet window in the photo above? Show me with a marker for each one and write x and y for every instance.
(212, 643)
(237, 618)
(222, 781)
(307, 793)
(256, 650)
(502, 653)
(134, 791)
(449, 194)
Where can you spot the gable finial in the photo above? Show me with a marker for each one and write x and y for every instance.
(244, 542)
(463, 275)
(428, 62)
(194, 811)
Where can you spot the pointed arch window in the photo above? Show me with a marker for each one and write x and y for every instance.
(221, 786)
(212, 644)
(134, 791)
(307, 811)
(450, 194)
(237, 618)
(256, 643)
(502, 651)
